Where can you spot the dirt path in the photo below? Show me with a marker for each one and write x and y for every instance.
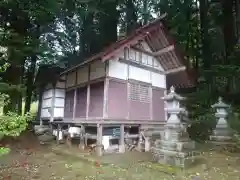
(30, 161)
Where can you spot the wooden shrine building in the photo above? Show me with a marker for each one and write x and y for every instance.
(121, 86)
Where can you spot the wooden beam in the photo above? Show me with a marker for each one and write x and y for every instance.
(164, 50)
(151, 102)
(105, 97)
(52, 103)
(158, 53)
(40, 100)
(109, 121)
(88, 100)
(175, 70)
(88, 93)
(74, 103)
(128, 92)
(105, 91)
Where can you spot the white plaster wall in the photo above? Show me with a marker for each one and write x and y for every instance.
(46, 103)
(58, 112)
(158, 80)
(118, 70)
(71, 79)
(60, 93)
(47, 94)
(82, 75)
(45, 113)
(59, 102)
(97, 70)
(139, 74)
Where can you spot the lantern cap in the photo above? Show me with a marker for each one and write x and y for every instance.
(173, 95)
(220, 104)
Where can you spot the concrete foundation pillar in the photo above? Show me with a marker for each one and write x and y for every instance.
(122, 143)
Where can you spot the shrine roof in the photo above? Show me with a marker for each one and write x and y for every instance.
(158, 37)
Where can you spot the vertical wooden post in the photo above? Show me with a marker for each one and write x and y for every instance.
(140, 139)
(122, 142)
(69, 139)
(105, 97)
(88, 92)
(58, 129)
(88, 100)
(99, 140)
(165, 106)
(53, 102)
(150, 102)
(74, 103)
(128, 93)
(82, 138)
(40, 100)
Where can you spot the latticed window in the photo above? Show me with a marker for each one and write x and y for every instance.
(138, 92)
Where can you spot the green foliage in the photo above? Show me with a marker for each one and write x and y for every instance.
(202, 120)
(234, 124)
(11, 124)
(201, 127)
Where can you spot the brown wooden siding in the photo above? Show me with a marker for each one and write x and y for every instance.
(96, 100)
(81, 103)
(117, 100)
(68, 109)
(158, 104)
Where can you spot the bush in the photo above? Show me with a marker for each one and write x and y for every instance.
(234, 124)
(202, 127)
(11, 124)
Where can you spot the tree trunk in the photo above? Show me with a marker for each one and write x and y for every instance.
(29, 84)
(145, 11)
(228, 28)
(108, 22)
(131, 17)
(204, 34)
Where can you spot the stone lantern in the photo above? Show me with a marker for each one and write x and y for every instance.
(173, 108)
(175, 147)
(221, 133)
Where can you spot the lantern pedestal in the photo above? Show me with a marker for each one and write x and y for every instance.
(175, 148)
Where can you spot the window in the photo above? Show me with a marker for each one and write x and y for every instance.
(138, 92)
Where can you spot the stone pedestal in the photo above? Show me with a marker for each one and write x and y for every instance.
(175, 148)
(221, 134)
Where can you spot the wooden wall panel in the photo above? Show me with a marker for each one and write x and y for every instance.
(96, 100)
(97, 70)
(82, 75)
(68, 108)
(71, 79)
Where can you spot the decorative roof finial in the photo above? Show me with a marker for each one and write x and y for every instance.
(172, 89)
